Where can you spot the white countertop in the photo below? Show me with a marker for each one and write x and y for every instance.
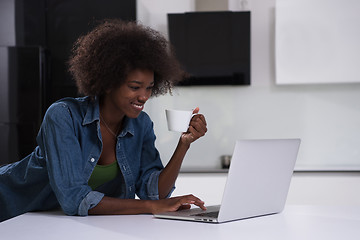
(295, 222)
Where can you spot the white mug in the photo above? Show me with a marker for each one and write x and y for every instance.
(178, 120)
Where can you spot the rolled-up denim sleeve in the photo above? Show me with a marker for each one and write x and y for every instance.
(91, 200)
(152, 186)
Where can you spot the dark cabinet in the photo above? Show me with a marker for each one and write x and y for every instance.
(35, 41)
(21, 83)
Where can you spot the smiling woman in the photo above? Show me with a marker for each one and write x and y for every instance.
(96, 152)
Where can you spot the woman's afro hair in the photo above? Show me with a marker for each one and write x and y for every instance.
(102, 59)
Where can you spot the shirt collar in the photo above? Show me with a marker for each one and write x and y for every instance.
(128, 127)
(93, 114)
(92, 111)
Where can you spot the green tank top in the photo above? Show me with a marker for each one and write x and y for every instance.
(103, 174)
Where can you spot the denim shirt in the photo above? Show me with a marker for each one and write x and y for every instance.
(69, 147)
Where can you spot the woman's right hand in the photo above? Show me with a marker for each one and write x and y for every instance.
(176, 203)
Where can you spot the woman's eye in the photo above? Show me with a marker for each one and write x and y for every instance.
(134, 88)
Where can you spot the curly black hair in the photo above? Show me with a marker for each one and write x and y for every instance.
(102, 59)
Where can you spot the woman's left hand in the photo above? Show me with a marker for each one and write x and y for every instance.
(197, 128)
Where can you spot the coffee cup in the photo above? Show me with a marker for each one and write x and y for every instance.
(178, 120)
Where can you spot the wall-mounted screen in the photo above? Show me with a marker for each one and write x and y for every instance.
(213, 47)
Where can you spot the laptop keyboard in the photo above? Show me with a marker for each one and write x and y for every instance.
(208, 214)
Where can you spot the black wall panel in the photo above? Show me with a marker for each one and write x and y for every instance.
(35, 43)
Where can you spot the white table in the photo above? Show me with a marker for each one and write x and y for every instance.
(295, 222)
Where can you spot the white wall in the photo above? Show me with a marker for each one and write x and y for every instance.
(305, 188)
(325, 117)
(311, 50)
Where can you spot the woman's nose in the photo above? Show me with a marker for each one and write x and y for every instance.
(144, 97)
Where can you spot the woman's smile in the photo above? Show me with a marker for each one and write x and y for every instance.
(129, 99)
(137, 106)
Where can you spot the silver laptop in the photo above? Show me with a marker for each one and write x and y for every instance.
(257, 184)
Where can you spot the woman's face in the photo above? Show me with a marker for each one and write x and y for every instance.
(129, 99)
